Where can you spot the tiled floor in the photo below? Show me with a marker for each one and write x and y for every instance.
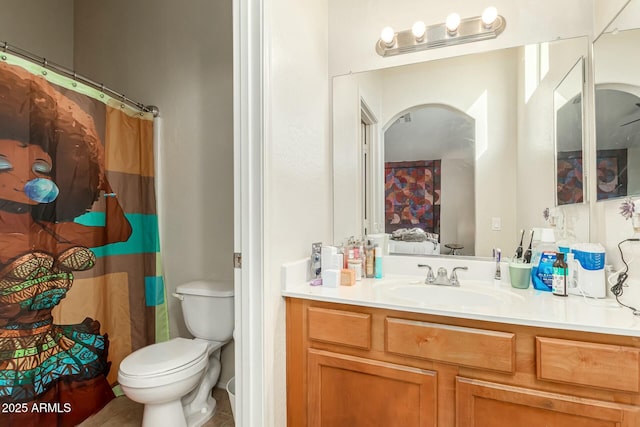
(122, 412)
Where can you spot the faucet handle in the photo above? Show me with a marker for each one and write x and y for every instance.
(454, 276)
(430, 277)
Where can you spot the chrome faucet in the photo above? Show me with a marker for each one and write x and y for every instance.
(441, 278)
(453, 280)
(430, 277)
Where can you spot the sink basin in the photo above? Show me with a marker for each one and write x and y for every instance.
(465, 295)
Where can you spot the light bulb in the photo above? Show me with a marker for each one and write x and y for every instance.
(387, 35)
(418, 29)
(489, 16)
(452, 22)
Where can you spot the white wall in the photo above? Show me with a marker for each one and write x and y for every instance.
(613, 62)
(348, 92)
(536, 149)
(458, 205)
(42, 27)
(178, 56)
(604, 11)
(297, 176)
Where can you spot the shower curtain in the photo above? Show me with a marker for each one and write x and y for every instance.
(80, 280)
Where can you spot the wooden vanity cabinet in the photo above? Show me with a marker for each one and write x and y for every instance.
(353, 391)
(360, 366)
(480, 403)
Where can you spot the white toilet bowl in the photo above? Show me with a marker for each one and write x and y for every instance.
(174, 379)
(159, 376)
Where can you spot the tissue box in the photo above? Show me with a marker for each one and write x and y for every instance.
(330, 278)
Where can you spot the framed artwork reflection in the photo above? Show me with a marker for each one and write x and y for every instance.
(570, 186)
(611, 168)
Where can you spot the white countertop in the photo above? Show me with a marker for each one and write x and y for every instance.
(515, 306)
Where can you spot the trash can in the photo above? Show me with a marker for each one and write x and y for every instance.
(231, 389)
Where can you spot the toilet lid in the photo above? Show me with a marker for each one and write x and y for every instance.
(164, 357)
(220, 288)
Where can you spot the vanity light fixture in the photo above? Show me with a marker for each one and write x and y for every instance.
(452, 23)
(453, 31)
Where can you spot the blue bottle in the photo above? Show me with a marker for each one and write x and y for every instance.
(378, 262)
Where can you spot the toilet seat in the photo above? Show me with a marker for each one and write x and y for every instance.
(163, 362)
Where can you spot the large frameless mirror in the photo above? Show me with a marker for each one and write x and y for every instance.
(462, 148)
(568, 112)
(617, 105)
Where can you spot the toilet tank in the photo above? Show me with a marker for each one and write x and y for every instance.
(207, 309)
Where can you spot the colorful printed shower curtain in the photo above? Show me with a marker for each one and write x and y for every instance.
(80, 281)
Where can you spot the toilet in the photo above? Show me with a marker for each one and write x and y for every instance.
(174, 379)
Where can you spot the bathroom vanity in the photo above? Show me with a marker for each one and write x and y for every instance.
(356, 357)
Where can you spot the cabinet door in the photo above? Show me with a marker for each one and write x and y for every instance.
(352, 391)
(484, 404)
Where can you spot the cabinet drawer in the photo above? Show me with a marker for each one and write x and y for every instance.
(596, 365)
(340, 327)
(477, 348)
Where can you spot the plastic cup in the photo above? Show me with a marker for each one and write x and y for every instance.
(520, 274)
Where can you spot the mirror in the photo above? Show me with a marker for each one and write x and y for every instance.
(492, 112)
(429, 151)
(568, 109)
(617, 106)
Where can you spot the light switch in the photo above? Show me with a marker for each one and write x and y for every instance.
(496, 223)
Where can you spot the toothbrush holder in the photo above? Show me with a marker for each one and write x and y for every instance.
(520, 274)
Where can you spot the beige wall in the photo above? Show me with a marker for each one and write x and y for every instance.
(42, 27)
(178, 56)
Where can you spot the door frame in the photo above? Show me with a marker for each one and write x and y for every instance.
(248, 95)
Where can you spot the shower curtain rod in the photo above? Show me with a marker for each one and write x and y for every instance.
(6, 47)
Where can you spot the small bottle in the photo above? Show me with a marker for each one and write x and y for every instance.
(356, 266)
(559, 276)
(350, 256)
(378, 262)
(369, 260)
